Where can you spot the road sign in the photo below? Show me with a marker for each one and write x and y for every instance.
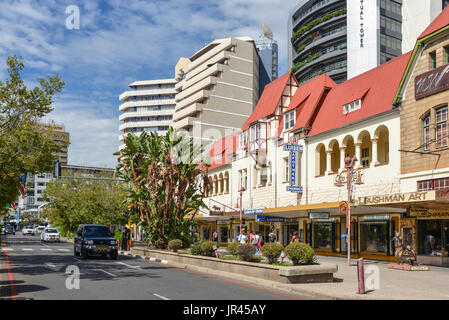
(254, 211)
(292, 168)
(292, 147)
(294, 189)
(269, 219)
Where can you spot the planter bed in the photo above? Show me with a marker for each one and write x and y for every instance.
(293, 274)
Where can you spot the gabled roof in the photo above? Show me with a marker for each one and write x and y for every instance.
(224, 147)
(307, 97)
(440, 21)
(269, 100)
(376, 88)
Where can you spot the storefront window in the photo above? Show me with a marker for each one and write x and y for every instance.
(322, 235)
(206, 233)
(430, 237)
(223, 234)
(374, 237)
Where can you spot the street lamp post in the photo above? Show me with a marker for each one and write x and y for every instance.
(349, 165)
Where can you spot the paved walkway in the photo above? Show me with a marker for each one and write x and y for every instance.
(393, 284)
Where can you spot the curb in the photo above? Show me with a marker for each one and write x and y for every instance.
(231, 276)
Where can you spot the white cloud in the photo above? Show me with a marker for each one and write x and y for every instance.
(118, 43)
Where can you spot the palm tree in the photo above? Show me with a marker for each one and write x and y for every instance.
(165, 183)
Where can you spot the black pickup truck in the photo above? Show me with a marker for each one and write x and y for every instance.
(94, 239)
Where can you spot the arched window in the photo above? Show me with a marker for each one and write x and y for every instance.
(226, 179)
(320, 160)
(335, 155)
(221, 183)
(383, 144)
(215, 185)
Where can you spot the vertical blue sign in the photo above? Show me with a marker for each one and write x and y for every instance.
(292, 168)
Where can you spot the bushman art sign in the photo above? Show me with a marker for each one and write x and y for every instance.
(398, 198)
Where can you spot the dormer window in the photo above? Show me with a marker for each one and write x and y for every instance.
(289, 120)
(354, 105)
(218, 156)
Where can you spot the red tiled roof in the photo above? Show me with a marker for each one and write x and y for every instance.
(226, 147)
(269, 100)
(307, 97)
(440, 22)
(376, 88)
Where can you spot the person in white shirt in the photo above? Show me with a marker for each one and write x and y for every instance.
(243, 237)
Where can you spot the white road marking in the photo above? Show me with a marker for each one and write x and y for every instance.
(7, 249)
(112, 275)
(128, 265)
(52, 266)
(46, 249)
(76, 259)
(65, 250)
(163, 298)
(27, 249)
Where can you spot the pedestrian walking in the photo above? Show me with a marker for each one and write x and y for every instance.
(295, 237)
(272, 235)
(124, 239)
(215, 236)
(260, 241)
(255, 242)
(242, 237)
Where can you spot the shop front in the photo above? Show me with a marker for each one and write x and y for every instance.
(431, 228)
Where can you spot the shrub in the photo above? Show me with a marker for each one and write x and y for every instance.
(195, 249)
(272, 251)
(207, 248)
(175, 245)
(246, 251)
(232, 248)
(300, 253)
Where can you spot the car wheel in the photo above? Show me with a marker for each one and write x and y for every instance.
(114, 255)
(75, 253)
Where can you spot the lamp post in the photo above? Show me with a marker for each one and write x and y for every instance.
(349, 165)
(240, 206)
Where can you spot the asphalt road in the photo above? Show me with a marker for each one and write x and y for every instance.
(30, 269)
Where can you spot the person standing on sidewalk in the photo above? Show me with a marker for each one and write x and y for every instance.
(242, 237)
(255, 242)
(260, 241)
(295, 237)
(272, 235)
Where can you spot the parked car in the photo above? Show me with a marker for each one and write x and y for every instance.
(94, 239)
(50, 234)
(28, 230)
(9, 230)
(39, 229)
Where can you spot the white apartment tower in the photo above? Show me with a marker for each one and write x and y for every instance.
(219, 90)
(148, 106)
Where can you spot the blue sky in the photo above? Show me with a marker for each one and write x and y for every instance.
(120, 42)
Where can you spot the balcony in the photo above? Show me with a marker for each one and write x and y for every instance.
(321, 59)
(197, 97)
(184, 123)
(325, 4)
(191, 90)
(142, 124)
(225, 45)
(297, 56)
(218, 59)
(152, 92)
(153, 113)
(192, 109)
(145, 103)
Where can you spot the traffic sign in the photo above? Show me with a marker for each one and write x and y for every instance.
(292, 147)
(294, 189)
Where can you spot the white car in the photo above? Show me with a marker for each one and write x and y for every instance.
(28, 230)
(50, 234)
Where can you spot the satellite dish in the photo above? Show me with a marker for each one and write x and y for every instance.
(266, 31)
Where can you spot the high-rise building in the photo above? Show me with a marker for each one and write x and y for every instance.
(219, 90)
(346, 38)
(61, 138)
(267, 48)
(148, 106)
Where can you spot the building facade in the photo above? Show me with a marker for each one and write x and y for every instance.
(61, 138)
(268, 62)
(346, 38)
(423, 100)
(149, 106)
(219, 90)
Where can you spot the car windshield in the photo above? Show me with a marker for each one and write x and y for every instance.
(9, 228)
(96, 231)
(51, 231)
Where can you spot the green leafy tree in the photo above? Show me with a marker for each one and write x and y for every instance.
(24, 146)
(76, 201)
(165, 184)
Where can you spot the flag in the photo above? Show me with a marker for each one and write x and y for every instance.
(22, 190)
(13, 205)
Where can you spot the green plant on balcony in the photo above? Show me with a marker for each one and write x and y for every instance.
(315, 22)
(312, 56)
(301, 48)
